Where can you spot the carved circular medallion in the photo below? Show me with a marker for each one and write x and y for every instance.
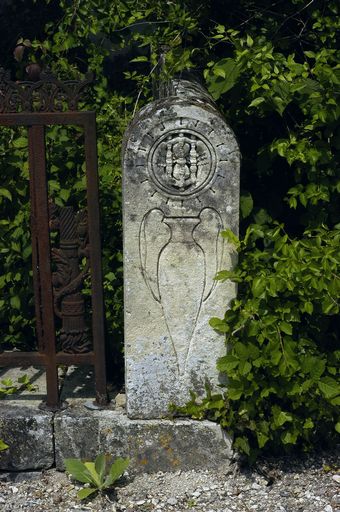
(182, 163)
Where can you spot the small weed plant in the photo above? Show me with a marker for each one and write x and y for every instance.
(8, 387)
(97, 474)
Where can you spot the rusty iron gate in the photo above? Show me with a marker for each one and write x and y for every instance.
(58, 275)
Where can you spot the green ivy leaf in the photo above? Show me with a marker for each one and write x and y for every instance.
(15, 302)
(329, 387)
(308, 307)
(235, 390)
(219, 325)
(20, 143)
(308, 423)
(246, 204)
(262, 439)
(231, 237)
(281, 417)
(257, 101)
(286, 328)
(227, 363)
(242, 444)
(250, 40)
(289, 437)
(4, 192)
(258, 286)
(222, 76)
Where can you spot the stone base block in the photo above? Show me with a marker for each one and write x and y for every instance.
(151, 445)
(29, 434)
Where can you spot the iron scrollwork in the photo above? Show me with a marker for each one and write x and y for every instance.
(68, 279)
(44, 94)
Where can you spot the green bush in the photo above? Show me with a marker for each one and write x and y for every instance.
(282, 355)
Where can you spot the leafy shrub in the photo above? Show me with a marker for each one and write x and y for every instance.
(282, 355)
(280, 93)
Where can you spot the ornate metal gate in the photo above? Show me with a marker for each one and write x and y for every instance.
(58, 291)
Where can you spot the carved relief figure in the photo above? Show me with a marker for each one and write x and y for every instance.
(67, 279)
(182, 163)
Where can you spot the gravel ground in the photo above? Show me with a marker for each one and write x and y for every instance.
(309, 484)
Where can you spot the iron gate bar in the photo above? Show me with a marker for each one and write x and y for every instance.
(46, 118)
(8, 358)
(95, 259)
(37, 165)
(46, 354)
(35, 260)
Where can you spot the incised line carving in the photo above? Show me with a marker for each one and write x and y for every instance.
(179, 258)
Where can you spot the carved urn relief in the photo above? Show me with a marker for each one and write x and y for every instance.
(175, 270)
(181, 281)
(181, 165)
(181, 189)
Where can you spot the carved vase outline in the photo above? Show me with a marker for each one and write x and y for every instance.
(169, 263)
(181, 290)
(151, 246)
(210, 227)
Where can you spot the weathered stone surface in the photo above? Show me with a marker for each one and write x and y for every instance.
(181, 189)
(29, 434)
(151, 445)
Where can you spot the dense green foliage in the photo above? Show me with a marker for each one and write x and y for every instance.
(272, 68)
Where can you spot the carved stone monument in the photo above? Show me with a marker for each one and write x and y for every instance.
(180, 190)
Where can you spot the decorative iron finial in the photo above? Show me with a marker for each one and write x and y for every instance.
(42, 93)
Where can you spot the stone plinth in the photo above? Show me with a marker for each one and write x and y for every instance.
(181, 189)
(38, 439)
(29, 434)
(151, 445)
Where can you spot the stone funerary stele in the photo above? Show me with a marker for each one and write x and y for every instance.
(180, 190)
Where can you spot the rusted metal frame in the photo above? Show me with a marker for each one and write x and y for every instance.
(37, 166)
(45, 118)
(8, 358)
(95, 259)
(35, 262)
(97, 358)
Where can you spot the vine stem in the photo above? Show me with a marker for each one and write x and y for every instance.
(281, 344)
